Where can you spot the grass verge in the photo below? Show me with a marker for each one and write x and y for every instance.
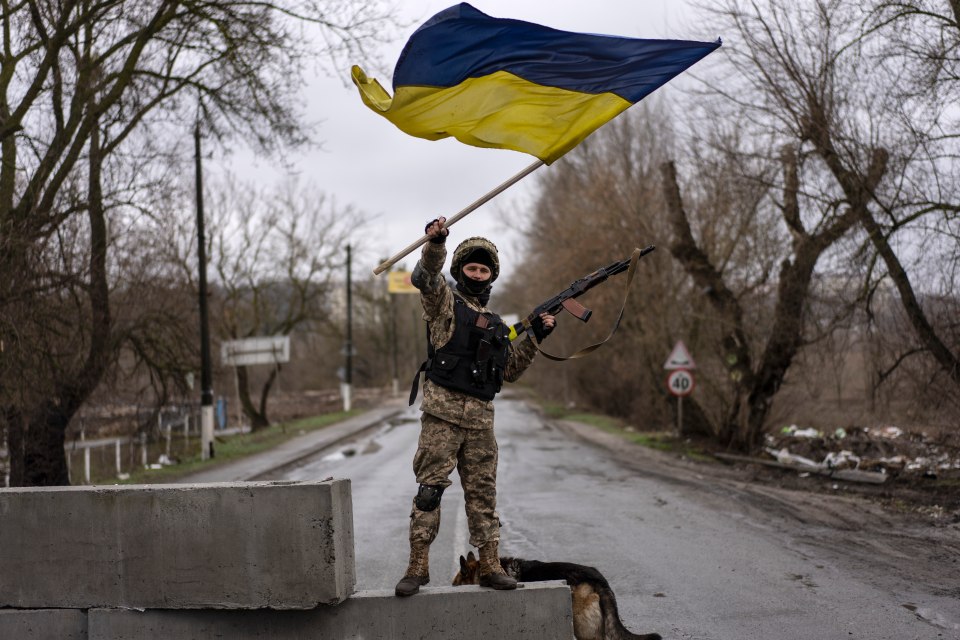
(659, 440)
(232, 447)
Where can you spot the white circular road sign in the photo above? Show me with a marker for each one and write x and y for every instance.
(680, 382)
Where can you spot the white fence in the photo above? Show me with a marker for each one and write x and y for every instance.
(128, 451)
(168, 423)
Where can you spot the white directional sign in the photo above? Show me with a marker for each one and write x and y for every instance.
(680, 358)
(680, 382)
(261, 350)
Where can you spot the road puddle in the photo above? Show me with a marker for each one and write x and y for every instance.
(367, 442)
(340, 455)
(932, 617)
(369, 445)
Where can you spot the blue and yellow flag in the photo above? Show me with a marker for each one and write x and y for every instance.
(509, 84)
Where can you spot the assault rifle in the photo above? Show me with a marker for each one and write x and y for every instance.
(566, 299)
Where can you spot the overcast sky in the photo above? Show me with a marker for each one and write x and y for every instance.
(402, 181)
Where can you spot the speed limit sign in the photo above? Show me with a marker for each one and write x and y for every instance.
(680, 382)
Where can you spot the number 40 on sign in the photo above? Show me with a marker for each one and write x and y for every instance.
(680, 382)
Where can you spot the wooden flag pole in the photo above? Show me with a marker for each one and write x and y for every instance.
(473, 207)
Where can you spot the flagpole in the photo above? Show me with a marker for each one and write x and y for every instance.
(469, 209)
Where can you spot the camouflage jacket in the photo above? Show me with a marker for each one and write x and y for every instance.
(437, 297)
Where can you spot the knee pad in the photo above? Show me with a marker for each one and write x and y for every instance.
(428, 497)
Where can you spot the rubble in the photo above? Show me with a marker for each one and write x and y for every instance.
(888, 449)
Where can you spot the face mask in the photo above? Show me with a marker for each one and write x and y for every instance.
(475, 287)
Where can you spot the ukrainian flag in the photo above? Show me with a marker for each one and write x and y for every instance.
(509, 84)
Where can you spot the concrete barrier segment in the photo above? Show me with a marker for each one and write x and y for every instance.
(238, 545)
(539, 611)
(43, 624)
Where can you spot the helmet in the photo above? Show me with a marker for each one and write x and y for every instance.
(475, 249)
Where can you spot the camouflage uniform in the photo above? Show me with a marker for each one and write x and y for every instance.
(457, 428)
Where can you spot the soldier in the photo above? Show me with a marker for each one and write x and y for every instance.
(469, 356)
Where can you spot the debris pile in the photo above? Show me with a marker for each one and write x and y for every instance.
(888, 450)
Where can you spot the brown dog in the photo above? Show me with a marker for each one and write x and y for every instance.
(595, 615)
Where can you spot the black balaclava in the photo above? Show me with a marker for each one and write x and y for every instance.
(471, 287)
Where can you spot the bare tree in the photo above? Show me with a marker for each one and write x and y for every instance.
(87, 89)
(755, 381)
(873, 158)
(877, 89)
(796, 85)
(918, 45)
(276, 256)
(799, 162)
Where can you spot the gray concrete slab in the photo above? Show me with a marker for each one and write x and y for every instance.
(286, 545)
(43, 624)
(539, 610)
(251, 467)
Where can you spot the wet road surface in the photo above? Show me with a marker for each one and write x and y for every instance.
(687, 557)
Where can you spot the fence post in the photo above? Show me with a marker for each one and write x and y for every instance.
(143, 448)
(119, 466)
(86, 464)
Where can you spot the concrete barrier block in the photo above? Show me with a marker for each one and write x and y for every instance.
(285, 545)
(43, 624)
(538, 611)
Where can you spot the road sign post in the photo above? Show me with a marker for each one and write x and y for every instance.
(273, 350)
(680, 381)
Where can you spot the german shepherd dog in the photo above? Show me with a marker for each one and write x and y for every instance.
(595, 615)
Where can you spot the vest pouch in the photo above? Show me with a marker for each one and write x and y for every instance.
(496, 374)
(444, 364)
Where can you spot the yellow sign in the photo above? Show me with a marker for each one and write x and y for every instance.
(400, 283)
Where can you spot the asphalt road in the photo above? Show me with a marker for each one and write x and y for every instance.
(689, 556)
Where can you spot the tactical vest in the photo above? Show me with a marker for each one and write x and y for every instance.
(474, 358)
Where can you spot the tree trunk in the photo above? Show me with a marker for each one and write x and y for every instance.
(44, 459)
(13, 421)
(859, 189)
(257, 419)
(265, 392)
(784, 341)
(925, 332)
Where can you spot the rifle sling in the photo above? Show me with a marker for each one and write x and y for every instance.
(634, 258)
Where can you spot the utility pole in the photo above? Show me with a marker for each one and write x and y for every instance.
(206, 374)
(348, 348)
(393, 330)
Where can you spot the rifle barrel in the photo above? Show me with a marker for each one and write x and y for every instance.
(577, 288)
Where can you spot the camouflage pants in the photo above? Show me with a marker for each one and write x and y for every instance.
(473, 452)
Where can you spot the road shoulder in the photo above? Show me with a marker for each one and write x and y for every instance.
(252, 467)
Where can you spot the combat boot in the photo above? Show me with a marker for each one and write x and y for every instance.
(418, 571)
(491, 573)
